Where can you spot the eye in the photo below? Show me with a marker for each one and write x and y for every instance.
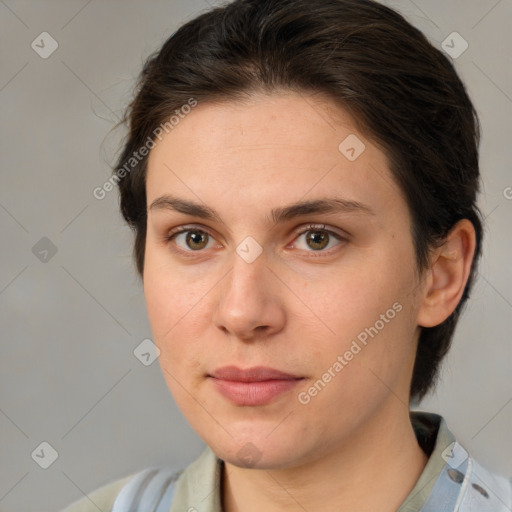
(192, 239)
(318, 238)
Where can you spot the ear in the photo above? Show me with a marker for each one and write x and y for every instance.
(448, 274)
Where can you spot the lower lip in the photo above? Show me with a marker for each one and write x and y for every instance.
(254, 393)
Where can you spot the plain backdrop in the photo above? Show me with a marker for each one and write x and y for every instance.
(71, 306)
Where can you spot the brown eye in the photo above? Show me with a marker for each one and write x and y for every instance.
(196, 239)
(317, 239)
(190, 239)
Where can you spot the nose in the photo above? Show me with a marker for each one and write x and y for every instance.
(249, 301)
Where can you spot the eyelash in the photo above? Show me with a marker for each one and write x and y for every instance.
(311, 227)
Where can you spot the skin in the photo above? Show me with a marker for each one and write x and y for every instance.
(294, 308)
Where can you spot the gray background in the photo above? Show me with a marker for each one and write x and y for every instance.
(70, 324)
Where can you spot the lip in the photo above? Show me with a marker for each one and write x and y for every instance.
(254, 386)
(254, 374)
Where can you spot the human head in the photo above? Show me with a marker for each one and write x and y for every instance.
(403, 93)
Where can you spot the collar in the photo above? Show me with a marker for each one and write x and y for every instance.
(453, 481)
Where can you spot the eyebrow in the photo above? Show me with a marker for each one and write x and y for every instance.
(277, 215)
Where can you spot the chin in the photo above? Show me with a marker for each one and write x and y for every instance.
(258, 451)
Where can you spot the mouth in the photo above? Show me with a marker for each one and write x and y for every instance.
(254, 386)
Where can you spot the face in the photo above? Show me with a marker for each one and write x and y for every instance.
(284, 331)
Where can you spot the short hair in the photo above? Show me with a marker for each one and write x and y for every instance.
(403, 93)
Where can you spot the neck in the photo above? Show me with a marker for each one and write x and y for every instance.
(373, 470)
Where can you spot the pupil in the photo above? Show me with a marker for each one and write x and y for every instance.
(195, 237)
(317, 238)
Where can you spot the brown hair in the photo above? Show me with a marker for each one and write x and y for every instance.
(367, 58)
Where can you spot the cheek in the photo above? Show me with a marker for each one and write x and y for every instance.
(176, 303)
(369, 309)
(173, 295)
(355, 298)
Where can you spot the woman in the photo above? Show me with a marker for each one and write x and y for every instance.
(301, 177)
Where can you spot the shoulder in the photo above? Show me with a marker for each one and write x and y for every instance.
(453, 479)
(485, 490)
(102, 498)
(156, 487)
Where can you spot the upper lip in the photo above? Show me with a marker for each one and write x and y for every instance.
(254, 374)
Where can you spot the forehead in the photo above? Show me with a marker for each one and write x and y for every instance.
(270, 150)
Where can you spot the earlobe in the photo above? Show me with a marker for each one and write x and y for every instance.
(448, 275)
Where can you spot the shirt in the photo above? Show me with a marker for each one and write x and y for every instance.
(198, 488)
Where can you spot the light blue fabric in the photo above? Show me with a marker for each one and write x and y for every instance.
(465, 486)
(150, 490)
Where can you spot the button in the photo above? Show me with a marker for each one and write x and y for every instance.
(456, 475)
(481, 490)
